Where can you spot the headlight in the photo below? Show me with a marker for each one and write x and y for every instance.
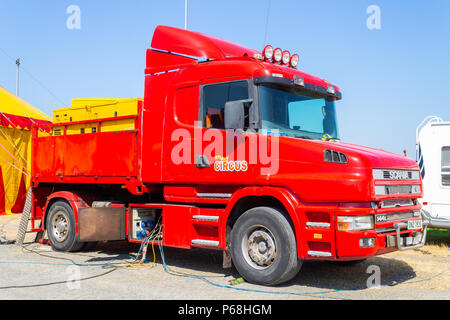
(350, 223)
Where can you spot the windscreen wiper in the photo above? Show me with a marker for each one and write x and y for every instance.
(332, 139)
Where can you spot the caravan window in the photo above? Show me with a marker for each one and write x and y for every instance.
(445, 169)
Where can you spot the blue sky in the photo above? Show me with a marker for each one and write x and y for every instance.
(390, 78)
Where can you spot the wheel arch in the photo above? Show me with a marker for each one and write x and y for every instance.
(72, 199)
(248, 198)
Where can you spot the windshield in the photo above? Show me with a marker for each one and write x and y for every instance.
(298, 114)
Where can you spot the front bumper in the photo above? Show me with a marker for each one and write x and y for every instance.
(388, 237)
(348, 242)
(407, 243)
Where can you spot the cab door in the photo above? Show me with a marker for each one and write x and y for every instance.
(225, 154)
(211, 161)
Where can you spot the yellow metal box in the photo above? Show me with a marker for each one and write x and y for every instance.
(96, 109)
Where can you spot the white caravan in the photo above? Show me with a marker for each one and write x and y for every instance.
(433, 157)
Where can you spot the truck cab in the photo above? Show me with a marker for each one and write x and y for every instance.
(231, 149)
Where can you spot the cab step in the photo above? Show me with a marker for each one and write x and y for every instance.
(205, 243)
(319, 254)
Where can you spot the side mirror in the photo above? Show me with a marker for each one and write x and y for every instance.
(235, 113)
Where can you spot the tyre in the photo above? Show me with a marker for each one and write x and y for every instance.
(263, 247)
(61, 228)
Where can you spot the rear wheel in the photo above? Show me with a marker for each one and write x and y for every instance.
(61, 228)
(263, 247)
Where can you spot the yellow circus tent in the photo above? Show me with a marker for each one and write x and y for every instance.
(16, 119)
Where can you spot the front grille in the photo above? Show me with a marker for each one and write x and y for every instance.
(398, 189)
(396, 203)
(396, 216)
(384, 190)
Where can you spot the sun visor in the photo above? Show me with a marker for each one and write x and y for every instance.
(196, 44)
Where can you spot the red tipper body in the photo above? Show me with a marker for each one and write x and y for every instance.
(318, 184)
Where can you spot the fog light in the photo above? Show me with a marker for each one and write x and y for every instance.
(367, 242)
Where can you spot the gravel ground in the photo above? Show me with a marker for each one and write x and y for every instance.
(36, 272)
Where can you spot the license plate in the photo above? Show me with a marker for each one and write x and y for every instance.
(415, 224)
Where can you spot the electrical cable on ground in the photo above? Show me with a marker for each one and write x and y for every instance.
(57, 282)
(156, 234)
(109, 263)
(316, 294)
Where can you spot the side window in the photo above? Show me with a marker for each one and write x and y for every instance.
(445, 168)
(214, 98)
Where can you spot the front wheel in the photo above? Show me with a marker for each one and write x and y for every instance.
(263, 247)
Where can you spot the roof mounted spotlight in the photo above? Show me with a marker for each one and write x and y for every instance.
(286, 57)
(277, 55)
(294, 61)
(268, 52)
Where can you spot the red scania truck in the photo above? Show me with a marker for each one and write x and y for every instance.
(304, 195)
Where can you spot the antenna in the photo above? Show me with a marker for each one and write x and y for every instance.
(267, 23)
(185, 14)
(17, 76)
